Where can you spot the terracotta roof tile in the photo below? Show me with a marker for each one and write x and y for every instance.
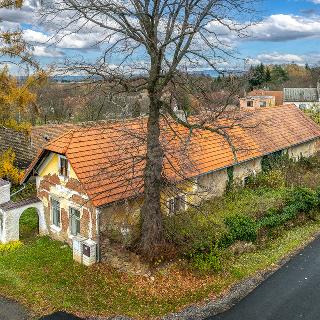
(108, 159)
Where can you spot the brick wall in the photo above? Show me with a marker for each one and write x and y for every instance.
(69, 194)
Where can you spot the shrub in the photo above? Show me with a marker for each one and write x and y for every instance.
(192, 231)
(273, 179)
(207, 262)
(242, 228)
(300, 200)
(11, 246)
(303, 199)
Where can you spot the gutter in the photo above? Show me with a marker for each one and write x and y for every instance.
(23, 187)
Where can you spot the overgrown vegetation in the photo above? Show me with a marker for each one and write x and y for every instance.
(43, 276)
(285, 193)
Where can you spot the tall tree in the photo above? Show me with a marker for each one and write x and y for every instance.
(162, 40)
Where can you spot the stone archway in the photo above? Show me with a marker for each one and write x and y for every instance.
(10, 213)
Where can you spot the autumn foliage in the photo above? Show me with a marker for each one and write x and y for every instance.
(8, 170)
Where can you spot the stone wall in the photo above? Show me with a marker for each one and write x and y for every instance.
(246, 169)
(304, 150)
(212, 185)
(119, 223)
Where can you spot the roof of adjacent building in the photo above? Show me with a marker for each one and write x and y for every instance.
(109, 159)
(10, 205)
(301, 95)
(277, 94)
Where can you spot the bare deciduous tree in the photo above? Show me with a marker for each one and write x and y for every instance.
(162, 41)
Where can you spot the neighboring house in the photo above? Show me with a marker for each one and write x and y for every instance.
(90, 180)
(303, 98)
(27, 145)
(278, 95)
(253, 102)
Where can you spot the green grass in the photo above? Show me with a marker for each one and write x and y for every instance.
(43, 276)
(28, 224)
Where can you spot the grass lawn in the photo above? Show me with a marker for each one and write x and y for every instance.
(42, 275)
(28, 224)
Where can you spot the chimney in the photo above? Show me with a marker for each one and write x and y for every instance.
(5, 187)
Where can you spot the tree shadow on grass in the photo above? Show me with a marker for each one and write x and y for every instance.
(60, 315)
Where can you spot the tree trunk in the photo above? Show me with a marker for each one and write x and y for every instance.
(152, 232)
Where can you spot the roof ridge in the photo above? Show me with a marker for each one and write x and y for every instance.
(58, 138)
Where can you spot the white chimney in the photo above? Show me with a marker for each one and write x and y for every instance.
(5, 187)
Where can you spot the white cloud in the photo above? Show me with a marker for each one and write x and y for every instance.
(280, 58)
(35, 36)
(282, 27)
(42, 51)
(284, 58)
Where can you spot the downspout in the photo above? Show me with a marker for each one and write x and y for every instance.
(98, 234)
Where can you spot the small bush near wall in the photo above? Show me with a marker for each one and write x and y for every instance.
(11, 246)
(271, 179)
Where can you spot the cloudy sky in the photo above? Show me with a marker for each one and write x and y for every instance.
(289, 31)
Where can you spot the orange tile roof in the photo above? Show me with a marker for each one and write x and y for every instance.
(277, 94)
(109, 159)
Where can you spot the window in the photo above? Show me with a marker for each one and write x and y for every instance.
(263, 104)
(55, 212)
(63, 166)
(176, 204)
(302, 106)
(249, 103)
(74, 221)
(246, 180)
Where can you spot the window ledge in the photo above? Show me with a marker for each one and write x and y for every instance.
(55, 228)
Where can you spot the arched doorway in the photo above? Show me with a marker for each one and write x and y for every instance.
(28, 224)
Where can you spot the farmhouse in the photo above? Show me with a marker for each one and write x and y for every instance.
(90, 180)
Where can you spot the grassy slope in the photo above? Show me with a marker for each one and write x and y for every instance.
(44, 277)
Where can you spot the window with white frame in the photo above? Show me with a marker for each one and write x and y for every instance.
(176, 204)
(55, 212)
(74, 221)
(263, 104)
(63, 167)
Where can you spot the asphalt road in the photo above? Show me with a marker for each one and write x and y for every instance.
(10, 310)
(293, 292)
